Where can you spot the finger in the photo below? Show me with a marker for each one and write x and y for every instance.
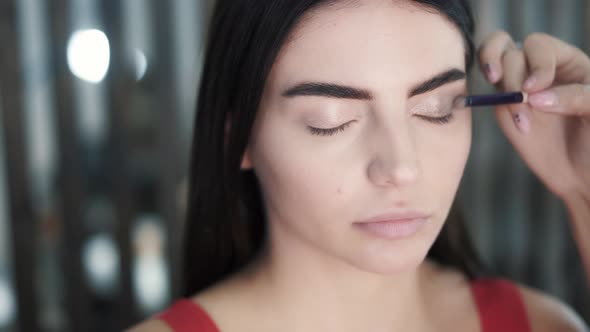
(515, 69)
(552, 60)
(541, 61)
(572, 99)
(491, 53)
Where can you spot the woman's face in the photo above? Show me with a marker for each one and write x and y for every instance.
(385, 75)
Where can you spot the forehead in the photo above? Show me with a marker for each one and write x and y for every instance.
(370, 42)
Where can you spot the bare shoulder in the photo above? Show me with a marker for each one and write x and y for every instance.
(547, 313)
(150, 325)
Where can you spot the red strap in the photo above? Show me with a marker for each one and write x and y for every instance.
(500, 306)
(187, 316)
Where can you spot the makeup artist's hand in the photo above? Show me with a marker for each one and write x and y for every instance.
(552, 131)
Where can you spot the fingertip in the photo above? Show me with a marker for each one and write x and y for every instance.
(530, 83)
(538, 81)
(543, 100)
(492, 73)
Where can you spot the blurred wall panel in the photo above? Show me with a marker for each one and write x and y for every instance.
(39, 113)
(120, 86)
(7, 290)
(20, 200)
(71, 183)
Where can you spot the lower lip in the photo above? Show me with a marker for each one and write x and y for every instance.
(393, 229)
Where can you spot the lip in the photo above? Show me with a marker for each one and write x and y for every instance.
(394, 225)
(395, 216)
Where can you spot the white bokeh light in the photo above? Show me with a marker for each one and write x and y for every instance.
(141, 64)
(150, 275)
(101, 262)
(7, 305)
(89, 55)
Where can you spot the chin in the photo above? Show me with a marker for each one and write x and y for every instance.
(391, 261)
(390, 257)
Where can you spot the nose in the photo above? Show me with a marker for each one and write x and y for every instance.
(395, 160)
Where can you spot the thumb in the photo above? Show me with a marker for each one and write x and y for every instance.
(571, 99)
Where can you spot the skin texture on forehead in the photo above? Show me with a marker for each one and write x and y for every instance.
(308, 23)
(327, 19)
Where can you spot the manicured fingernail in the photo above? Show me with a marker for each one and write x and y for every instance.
(522, 122)
(491, 73)
(545, 99)
(529, 83)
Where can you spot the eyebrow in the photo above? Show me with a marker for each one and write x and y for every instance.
(449, 76)
(331, 90)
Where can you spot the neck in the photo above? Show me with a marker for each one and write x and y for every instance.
(300, 280)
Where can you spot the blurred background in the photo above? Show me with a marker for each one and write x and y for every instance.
(97, 99)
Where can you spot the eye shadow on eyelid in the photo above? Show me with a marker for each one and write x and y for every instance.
(439, 106)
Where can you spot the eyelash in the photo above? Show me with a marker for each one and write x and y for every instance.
(438, 120)
(330, 131)
(333, 131)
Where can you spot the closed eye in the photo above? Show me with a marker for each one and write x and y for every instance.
(329, 131)
(333, 131)
(437, 120)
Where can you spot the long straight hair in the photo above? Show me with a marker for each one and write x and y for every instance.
(225, 226)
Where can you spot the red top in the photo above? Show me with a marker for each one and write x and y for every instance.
(498, 301)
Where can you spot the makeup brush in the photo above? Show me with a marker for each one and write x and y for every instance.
(492, 99)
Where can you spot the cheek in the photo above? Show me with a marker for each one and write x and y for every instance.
(444, 152)
(297, 181)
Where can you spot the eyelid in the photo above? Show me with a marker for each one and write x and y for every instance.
(459, 101)
(439, 105)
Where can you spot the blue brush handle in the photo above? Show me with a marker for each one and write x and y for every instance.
(495, 99)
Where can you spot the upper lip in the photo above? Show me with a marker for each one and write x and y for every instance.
(396, 216)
